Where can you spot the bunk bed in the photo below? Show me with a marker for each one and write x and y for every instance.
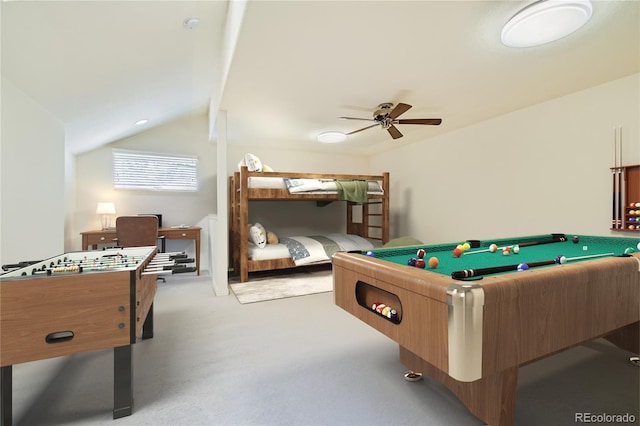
(366, 219)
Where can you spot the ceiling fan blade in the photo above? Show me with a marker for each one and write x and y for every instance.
(399, 110)
(355, 118)
(394, 132)
(432, 121)
(364, 128)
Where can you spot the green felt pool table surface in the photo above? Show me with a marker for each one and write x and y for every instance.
(583, 249)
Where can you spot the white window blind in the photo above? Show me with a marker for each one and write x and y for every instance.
(154, 172)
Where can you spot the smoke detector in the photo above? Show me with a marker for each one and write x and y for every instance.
(191, 23)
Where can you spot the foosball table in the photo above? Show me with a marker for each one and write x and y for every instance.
(80, 302)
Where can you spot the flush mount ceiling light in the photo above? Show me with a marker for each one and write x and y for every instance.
(545, 21)
(331, 137)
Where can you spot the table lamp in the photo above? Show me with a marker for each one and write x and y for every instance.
(105, 210)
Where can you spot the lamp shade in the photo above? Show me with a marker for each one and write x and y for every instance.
(545, 21)
(106, 208)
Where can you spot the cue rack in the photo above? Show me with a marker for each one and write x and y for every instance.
(625, 188)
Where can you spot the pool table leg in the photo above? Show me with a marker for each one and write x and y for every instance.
(627, 337)
(492, 399)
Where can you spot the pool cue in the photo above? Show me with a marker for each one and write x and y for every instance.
(468, 273)
(558, 239)
(620, 179)
(614, 216)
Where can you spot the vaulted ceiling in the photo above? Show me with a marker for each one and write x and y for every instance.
(296, 66)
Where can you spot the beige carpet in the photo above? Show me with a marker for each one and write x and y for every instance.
(260, 289)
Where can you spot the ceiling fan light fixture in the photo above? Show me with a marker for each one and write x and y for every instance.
(331, 137)
(545, 21)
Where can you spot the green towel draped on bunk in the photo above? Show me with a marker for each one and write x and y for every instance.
(352, 190)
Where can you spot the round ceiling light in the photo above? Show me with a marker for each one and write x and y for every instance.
(331, 137)
(545, 21)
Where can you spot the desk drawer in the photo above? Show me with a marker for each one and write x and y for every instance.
(180, 234)
(94, 239)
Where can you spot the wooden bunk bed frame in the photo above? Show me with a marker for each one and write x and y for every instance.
(375, 214)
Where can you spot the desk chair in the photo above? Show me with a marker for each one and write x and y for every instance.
(137, 231)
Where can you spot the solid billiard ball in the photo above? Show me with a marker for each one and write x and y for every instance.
(457, 252)
(466, 246)
(421, 253)
(433, 262)
(631, 227)
(493, 248)
(412, 261)
(576, 240)
(393, 315)
(371, 254)
(420, 263)
(523, 267)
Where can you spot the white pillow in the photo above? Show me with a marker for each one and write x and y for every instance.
(253, 163)
(258, 235)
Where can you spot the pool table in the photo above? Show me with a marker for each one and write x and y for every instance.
(472, 334)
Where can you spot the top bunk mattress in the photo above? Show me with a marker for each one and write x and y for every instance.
(296, 186)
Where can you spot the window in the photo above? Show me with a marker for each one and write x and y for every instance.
(154, 172)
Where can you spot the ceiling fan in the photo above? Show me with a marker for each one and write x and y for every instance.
(386, 116)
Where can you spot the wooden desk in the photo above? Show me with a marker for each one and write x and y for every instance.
(91, 239)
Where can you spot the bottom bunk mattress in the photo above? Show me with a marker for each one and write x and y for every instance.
(305, 250)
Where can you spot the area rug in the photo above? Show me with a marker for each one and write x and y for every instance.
(279, 287)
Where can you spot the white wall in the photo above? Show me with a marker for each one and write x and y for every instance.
(94, 182)
(542, 169)
(32, 217)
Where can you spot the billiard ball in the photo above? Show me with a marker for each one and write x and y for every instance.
(515, 249)
(457, 252)
(631, 227)
(637, 204)
(576, 240)
(393, 315)
(493, 248)
(506, 251)
(638, 246)
(523, 267)
(433, 262)
(412, 261)
(466, 246)
(629, 250)
(371, 254)
(420, 263)
(421, 253)
(560, 259)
